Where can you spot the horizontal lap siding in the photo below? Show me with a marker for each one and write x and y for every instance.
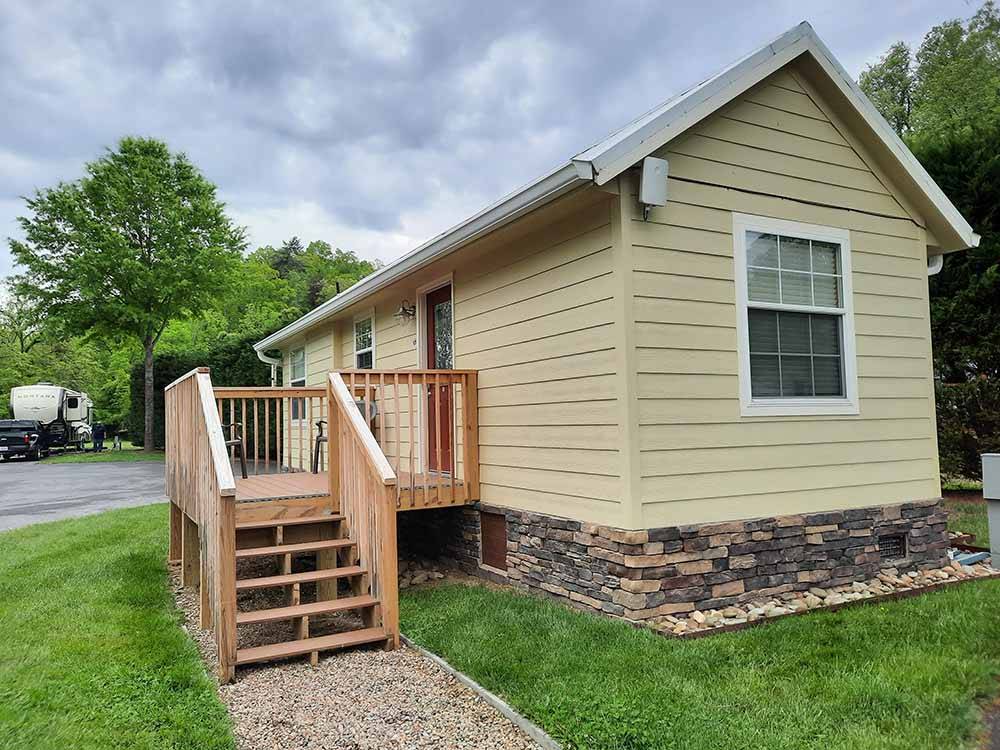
(536, 319)
(775, 153)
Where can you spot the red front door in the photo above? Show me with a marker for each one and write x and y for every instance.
(439, 401)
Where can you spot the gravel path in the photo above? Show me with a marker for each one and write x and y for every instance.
(354, 700)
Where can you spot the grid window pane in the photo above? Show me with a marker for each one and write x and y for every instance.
(825, 334)
(796, 288)
(794, 333)
(363, 360)
(795, 254)
(826, 291)
(762, 250)
(794, 354)
(763, 285)
(363, 334)
(796, 376)
(766, 379)
(825, 257)
(298, 362)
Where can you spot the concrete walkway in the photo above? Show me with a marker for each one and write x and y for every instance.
(35, 491)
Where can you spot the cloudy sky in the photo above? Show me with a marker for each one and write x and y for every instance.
(373, 125)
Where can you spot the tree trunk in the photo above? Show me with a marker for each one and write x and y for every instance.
(148, 438)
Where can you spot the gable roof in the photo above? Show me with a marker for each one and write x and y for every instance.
(610, 157)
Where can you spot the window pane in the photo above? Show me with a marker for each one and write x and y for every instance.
(364, 361)
(793, 333)
(763, 331)
(796, 376)
(762, 250)
(796, 288)
(763, 285)
(828, 376)
(826, 334)
(363, 334)
(825, 257)
(794, 254)
(442, 336)
(298, 361)
(764, 379)
(827, 290)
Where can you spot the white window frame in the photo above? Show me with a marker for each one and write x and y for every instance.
(368, 315)
(783, 406)
(297, 383)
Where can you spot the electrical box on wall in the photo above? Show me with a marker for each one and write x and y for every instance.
(653, 184)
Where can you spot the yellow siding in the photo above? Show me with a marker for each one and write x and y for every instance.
(533, 313)
(779, 152)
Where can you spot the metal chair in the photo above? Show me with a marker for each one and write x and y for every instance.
(237, 442)
(320, 439)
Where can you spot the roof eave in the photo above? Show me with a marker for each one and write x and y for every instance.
(507, 209)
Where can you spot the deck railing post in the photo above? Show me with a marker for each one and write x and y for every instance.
(470, 437)
(333, 447)
(225, 585)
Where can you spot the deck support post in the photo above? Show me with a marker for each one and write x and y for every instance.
(176, 522)
(225, 613)
(191, 553)
(326, 559)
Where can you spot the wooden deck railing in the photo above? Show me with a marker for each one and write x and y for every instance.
(202, 493)
(364, 485)
(427, 424)
(277, 425)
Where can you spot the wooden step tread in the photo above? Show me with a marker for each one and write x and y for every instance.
(308, 645)
(308, 576)
(290, 549)
(305, 610)
(271, 523)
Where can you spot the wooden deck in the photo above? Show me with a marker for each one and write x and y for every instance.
(284, 486)
(425, 491)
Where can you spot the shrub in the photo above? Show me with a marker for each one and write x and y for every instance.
(968, 422)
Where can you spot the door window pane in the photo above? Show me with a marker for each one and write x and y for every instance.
(442, 336)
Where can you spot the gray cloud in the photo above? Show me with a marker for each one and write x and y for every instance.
(372, 125)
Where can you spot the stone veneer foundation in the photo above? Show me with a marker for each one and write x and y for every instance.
(649, 573)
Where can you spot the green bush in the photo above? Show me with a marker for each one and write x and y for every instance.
(234, 364)
(968, 422)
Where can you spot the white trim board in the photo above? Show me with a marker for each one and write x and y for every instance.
(610, 157)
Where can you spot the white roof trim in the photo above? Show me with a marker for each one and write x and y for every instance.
(616, 153)
(539, 192)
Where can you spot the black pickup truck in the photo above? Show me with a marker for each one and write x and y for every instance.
(22, 437)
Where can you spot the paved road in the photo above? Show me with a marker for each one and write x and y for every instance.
(36, 491)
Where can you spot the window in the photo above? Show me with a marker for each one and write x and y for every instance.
(297, 377)
(795, 322)
(364, 343)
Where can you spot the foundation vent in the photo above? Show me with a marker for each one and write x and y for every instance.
(892, 546)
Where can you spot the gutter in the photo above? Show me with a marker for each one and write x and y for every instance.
(272, 361)
(507, 209)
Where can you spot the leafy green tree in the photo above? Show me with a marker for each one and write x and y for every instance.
(139, 241)
(889, 84)
(951, 83)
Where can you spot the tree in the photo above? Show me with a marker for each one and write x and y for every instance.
(21, 319)
(950, 85)
(889, 84)
(139, 241)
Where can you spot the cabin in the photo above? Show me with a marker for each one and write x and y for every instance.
(689, 367)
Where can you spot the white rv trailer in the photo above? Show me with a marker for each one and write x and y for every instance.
(66, 414)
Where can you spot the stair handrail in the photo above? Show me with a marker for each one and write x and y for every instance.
(363, 488)
(200, 481)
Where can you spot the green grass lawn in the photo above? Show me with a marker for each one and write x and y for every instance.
(967, 513)
(92, 656)
(129, 453)
(906, 674)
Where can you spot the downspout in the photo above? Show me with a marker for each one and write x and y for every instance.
(274, 365)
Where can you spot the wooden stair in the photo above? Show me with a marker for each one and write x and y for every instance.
(325, 537)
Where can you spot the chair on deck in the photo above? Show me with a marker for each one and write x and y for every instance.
(237, 442)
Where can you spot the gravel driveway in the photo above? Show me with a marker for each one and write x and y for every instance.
(33, 491)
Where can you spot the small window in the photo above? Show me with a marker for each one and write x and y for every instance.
(493, 536)
(892, 546)
(364, 343)
(795, 320)
(73, 402)
(297, 378)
